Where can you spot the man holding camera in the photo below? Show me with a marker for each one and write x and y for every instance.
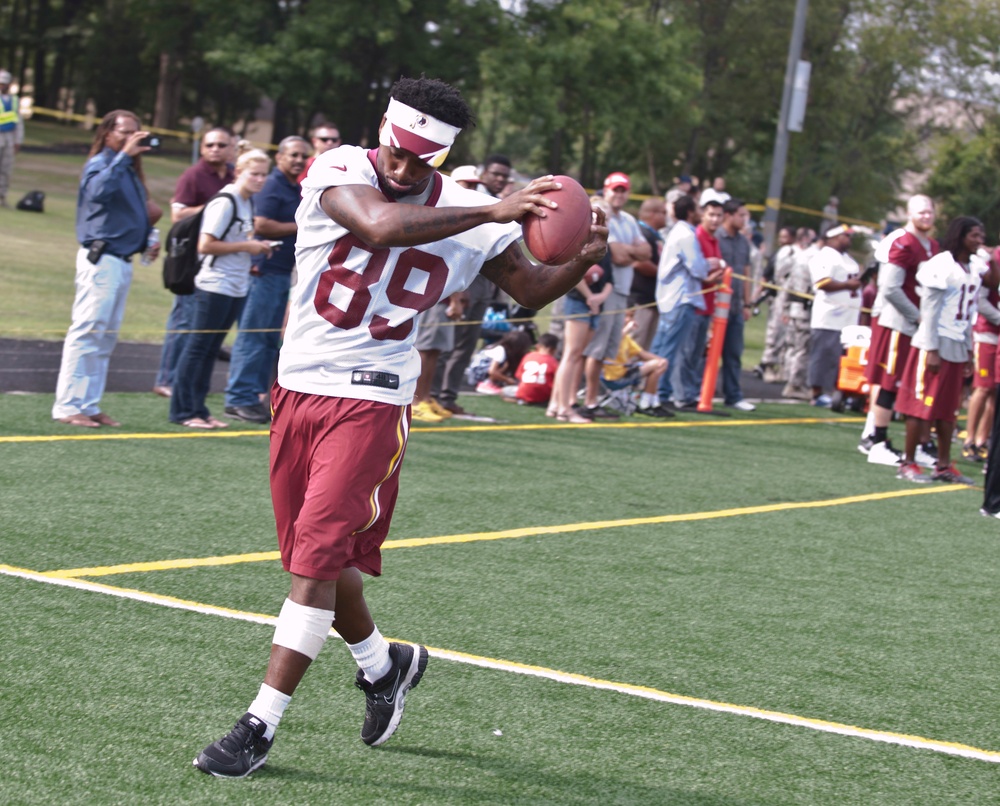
(113, 220)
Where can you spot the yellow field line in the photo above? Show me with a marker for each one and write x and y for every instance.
(506, 534)
(514, 667)
(110, 435)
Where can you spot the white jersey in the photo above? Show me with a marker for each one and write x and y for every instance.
(351, 327)
(943, 273)
(833, 310)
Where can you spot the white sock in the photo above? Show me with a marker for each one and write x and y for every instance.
(372, 656)
(268, 707)
(648, 400)
(869, 423)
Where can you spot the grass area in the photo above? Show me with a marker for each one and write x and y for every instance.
(756, 561)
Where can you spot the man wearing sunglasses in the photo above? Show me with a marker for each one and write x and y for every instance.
(195, 187)
(324, 138)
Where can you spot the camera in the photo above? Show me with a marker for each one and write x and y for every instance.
(150, 140)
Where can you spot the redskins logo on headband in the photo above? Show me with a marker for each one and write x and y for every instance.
(426, 136)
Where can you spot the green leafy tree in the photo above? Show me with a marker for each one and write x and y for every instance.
(966, 177)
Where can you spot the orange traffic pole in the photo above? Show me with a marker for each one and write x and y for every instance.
(720, 318)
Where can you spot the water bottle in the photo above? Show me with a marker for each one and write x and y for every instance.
(152, 241)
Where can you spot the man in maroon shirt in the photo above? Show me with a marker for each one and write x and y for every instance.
(195, 187)
(691, 355)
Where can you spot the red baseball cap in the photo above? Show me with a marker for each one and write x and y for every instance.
(618, 180)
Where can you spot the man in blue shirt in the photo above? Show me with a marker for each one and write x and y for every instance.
(113, 219)
(679, 289)
(255, 352)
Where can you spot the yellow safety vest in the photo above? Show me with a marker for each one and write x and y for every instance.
(8, 117)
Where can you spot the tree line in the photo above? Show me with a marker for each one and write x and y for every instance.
(657, 88)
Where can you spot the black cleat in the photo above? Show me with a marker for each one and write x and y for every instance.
(238, 753)
(384, 699)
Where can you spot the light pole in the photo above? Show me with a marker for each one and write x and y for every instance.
(773, 202)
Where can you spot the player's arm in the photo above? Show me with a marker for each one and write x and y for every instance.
(380, 223)
(535, 286)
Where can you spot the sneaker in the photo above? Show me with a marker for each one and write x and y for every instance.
(384, 699)
(439, 410)
(238, 753)
(254, 413)
(865, 445)
(423, 412)
(924, 457)
(687, 405)
(601, 413)
(581, 411)
(654, 411)
(743, 405)
(984, 452)
(882, 453)
(987, 514)
(930, 448)
(759, 371)
(451, 406)
(823, 401)
(951, 475)
(910, 471)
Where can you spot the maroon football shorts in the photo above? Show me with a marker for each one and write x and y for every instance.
(927, 395)
(886, 357)
(334, 479)
(986, 374)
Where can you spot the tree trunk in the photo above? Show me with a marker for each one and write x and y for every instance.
(168, 91)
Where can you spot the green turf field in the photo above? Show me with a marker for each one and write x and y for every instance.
(698, 611)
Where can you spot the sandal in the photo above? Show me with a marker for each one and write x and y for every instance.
(212, 421)
(197, 422)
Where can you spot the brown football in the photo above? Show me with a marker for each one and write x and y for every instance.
(561, 235)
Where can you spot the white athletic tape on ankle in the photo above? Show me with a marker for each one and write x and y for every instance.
(302, 629)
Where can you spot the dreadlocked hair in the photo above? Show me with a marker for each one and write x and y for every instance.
(433, 97)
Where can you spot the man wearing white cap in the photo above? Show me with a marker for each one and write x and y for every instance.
(836, 280)
(382, 236)
(11, 133)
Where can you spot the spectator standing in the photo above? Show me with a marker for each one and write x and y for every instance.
(930, 389)
(796, 312)
(691, 353)
(836, 281)
(195, 187)
(479, 296)
(682, 270)
(255, 352)
(346, 377)
(652, 219)
(325, 137)
(735, 249)
(627, 245)
(221, 286)
(11, 133)
(582, 308)
(113, 218)
(779, 266)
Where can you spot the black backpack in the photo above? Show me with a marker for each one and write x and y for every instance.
(33, 202)
(182, 261)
